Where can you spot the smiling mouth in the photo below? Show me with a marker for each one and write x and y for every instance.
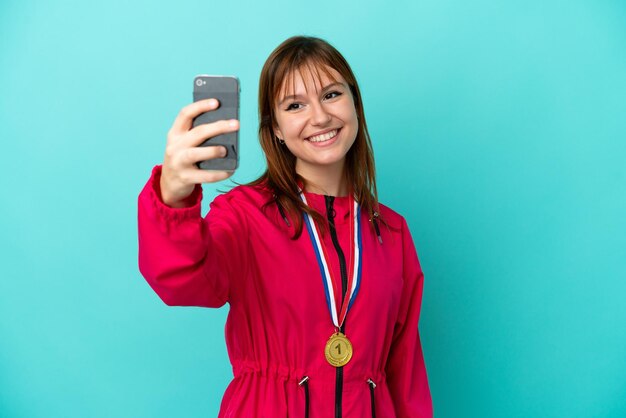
(323, 137)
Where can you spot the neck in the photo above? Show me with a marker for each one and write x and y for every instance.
(328, 180)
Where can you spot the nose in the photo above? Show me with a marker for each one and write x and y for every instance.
(320, 115)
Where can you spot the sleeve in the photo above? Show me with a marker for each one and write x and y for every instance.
(186, 259)
(406, 371)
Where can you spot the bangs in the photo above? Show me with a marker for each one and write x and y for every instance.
(313, 68)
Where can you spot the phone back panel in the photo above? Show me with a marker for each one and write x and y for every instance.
(226, 90)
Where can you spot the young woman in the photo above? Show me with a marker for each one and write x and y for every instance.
(323, 282)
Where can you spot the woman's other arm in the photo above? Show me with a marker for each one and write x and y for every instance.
(406, 371)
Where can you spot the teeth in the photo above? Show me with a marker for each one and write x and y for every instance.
(323, 137)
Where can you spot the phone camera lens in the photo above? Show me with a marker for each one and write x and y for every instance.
(199, 82)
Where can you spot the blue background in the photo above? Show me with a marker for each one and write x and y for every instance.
(499, 133)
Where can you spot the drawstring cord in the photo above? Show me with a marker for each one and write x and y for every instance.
(305, 384)
(372, 387)
(374, 220)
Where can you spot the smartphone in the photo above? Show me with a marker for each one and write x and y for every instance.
(226, 90)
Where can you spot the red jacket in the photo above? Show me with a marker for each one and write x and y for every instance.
(278, 324)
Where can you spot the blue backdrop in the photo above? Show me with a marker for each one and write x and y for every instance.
(499, 133)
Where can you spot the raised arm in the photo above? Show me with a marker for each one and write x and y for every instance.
(186, 259)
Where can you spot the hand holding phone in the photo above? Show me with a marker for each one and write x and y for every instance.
(180, 173)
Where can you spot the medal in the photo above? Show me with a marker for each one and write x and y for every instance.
(338, 350)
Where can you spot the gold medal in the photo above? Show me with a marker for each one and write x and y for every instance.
(338, 350)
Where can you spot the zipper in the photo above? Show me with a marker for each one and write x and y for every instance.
(330, 214)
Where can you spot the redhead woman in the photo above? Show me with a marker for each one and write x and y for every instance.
(323, 281)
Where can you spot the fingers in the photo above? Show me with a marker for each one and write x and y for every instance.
(201, 133)
(185, 117)
(195, 155)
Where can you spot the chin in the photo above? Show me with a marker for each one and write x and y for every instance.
(330, 160)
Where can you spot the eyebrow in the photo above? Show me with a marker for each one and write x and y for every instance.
(296, 96)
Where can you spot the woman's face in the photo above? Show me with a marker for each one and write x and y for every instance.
(317, 119)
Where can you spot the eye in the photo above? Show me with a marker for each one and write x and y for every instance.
(294, 106)
(332, 95)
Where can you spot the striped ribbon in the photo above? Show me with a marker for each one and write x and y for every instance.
(354, 269)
